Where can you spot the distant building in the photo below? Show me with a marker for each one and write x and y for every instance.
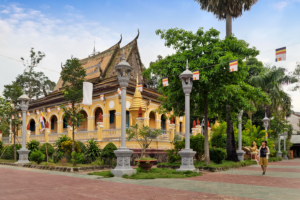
(294, 119)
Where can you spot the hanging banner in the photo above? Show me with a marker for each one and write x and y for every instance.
(13, 117)
(58, 108)
(119, 91)
(87, 93)
(140, 86)
(233, 66)
(42, 122)
(37, 112)
(20, 115)
(48, 110)
(102, 97)
(165, 81)
(28, 113)
(196, 75)
(280, 54)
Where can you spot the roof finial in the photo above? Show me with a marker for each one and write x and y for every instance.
(123, 56)
(94, 52)
(137, 78)
(187, 64)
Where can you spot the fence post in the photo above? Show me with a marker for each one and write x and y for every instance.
(100, 130)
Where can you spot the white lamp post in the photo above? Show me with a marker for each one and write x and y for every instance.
(23, 152)
(187, 154)
(279, 153)
(123, 153)
(284, 145)
(240, 152)
(266, 121)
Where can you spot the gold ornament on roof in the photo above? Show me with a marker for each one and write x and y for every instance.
(137, 101)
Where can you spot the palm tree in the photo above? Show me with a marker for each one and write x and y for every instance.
(271, 83)
(226, 9)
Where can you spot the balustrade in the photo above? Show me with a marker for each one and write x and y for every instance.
(86, 135)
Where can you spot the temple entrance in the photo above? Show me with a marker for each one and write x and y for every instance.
(84, 125)
(163, 123)
(53, 126)
(32, 126)
(97, 113)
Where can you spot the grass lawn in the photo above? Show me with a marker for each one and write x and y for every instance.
(224, 164)
(275, 159)
(6, 161)
(152, 174)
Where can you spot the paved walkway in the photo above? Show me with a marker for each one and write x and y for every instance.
(282, 181)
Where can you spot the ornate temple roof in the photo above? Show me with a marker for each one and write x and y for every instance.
(100, 66)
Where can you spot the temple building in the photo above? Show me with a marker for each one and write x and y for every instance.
(100, 71)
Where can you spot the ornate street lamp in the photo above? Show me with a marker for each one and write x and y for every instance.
(284, 145)
(187, 154)
(240, 152)
(23, 152)
(266, 121)
(123, 153)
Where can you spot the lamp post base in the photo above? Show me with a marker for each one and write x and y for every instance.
(123, 163)
(285, 157)
(279, 154)
(240, 154)
(23, 156)
(187, 160)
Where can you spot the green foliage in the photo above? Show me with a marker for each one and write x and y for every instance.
(173, 154)
(197, 144)
(143, 136)
(98, 162)
(219, 137)
(50, 149)
(105, 174)
(67, 147)
(37, 156)
(12, 92)
(76, 158)
(108, 152)
(217, 155)
(284, 152)
(92, 150)
(1, 147)
(82, 146)
(9, 152)
(60, 140)
(33, 145)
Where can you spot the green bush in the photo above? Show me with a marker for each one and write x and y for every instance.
(50, 149)
(173, 154)
(60, 140)
(98, 162)
(197, 144)
(217, 155)
(37, 156)
(66, 147)
(82, 146)
(92, 150)
(1, 147)
(76, 158)
(9, 152)
(219, 137)
(284, 153)
(108, 152)
(32, 145)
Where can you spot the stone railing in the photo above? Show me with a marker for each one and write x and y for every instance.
(163, 137)
(40, 138)
(165, 132)
(19, 139)
(6, 140)
(111, 133)
(85, 135)
(54, 136)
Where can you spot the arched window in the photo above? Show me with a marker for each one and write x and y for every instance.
(152, 120)
(163, 123)
(97, 113)
(53, 121)
(84, 125)
(32, 126)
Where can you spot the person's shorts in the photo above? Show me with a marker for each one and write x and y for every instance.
(263, 161)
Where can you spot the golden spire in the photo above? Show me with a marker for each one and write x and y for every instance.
(137, 101)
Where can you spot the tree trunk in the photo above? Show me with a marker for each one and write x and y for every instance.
(228, 25)
(15, 151)
(230, 145)
(46, 152)
(73, 143)
(143, 152)
(206, 144)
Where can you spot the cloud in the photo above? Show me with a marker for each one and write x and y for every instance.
(70, 8)
(45, 7)
(280, 5)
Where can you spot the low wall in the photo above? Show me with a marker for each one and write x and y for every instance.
(158, 154)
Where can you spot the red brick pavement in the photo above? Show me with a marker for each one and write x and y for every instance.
(282, 163)
(19, 184)
(250, 180)
(270, 169)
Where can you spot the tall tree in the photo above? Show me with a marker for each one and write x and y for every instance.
(217, 87)
(34, 83)
(226, 9)
(12, 92)
(271, 81)
(73, 75)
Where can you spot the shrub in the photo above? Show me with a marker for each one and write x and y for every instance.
(57, 156)
(108, 152)
(59, 141)
(82, 146)
(9, 152)
(92, 150)
(50, 149)
(219, 137)
(173, 154)
(284, 153)
(37, 156)
(217, 155)
(63, 161)
(67, 147)
(98, 162)
(33, 145)
(197, 144)
(1, 147)
(76, 158)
